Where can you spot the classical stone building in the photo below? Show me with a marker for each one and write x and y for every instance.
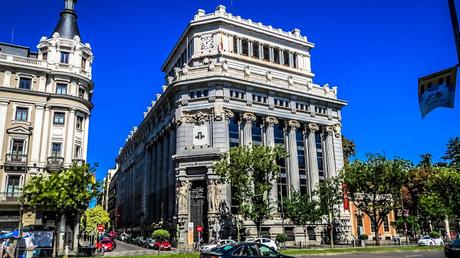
(229, 81)
(45, 106)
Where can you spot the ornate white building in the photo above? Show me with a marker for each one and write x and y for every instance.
(230, 81)
(45, 106)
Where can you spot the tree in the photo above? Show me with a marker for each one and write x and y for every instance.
(330, 193)
(453, 152)
(301, 210)
(432, 208)
(94, 217)
(161, 235)
(349, 149)
(250, 171)
(444, 184)
(67, 193)
(374, 186)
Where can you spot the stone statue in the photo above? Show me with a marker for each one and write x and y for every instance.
(214, 195)
(182, 196)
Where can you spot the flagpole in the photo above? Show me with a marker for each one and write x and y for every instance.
(455, 27)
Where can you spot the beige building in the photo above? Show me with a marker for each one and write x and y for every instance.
(45, 106)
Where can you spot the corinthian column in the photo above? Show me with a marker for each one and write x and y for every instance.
(312, 157)
(248, 119)
(270, 141)
(294, 179)
(330, 160)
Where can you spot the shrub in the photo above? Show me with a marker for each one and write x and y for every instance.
(281, 238)
(434, 234)
(363, 237)
(161, 234)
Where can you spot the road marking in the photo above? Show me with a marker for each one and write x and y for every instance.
(413, 255)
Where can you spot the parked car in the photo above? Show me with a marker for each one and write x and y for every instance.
(124, 236)
(242, 249)
(105, 244)
(208, 247)
(266, 241)
(150, 243)
(139, 241)
(452, 249)
(427, 240)
(164, 245)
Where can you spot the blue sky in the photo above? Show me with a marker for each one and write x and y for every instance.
(374, 51)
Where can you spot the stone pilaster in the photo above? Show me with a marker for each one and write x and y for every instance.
(171, 172)
(270, 122)
(3, 109)
(248, 119)
(294, 178)
(312, 157)
(330, 160)
(37, 133)
(85, 138)
(70, 138)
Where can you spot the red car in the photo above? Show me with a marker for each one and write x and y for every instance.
(107, 244)
(165, 245)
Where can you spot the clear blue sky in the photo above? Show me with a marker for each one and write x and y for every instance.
(374, 51)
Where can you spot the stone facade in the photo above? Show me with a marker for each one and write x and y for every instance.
(45, 107)
(229, 82)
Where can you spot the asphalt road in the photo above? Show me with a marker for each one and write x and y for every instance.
(422, 254)
(124, 249)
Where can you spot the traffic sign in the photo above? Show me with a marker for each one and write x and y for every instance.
(100, 228)
(199, 228)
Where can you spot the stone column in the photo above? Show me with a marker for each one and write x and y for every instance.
(3, 109)
(76, 233)
(294, 178)
(270, 122)
(156, 179)
(172, 172)
(85, 138)
(248, 119)
(70, 138)
(312, 157)
(330, 160)
(45, 137)
(37, 133)
(61, 234)
(164, 177)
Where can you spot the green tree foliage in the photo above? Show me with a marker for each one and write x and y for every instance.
(302, 210)
(453, 153)
(250, 171)
(349, 149)
(432, 208)
(444, 185)
(94, 217)
(68, 192)
(374, 186)
(161, 235)
(330, 193)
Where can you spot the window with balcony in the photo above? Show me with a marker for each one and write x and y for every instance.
(81, 92)
(61, 88)
(79, 124)
(59, 118)
(56, 149)
(25, 83)
(17, 146)
(13, 186)
(21, 114)
(65, 57)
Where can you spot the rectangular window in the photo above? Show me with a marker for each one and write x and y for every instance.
(386, 225)
(235, 45)
(192, 94)
(81, 93)
(45, 56)
(83, 63)
(255, 50)
(266, 53)
(13, 187)
(17, 146)
(61, 89)
(276, 56)
(21, 114)
(65, 57)
(56, 149)
(77, 152)
(245, 48)
(59, 118)
(294, 59)
(25, 83)
(79, 123)
(286, 58)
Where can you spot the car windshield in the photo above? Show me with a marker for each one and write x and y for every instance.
(221, 249)
(426, 237)
(106, 241)
(455, 242)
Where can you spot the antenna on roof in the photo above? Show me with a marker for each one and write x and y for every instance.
(12, 34)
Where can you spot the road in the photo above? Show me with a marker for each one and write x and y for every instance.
(124, 249)
(422, 254)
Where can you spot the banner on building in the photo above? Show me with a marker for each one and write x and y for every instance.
(437, 90)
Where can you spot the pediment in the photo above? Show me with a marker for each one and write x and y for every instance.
(18, 130)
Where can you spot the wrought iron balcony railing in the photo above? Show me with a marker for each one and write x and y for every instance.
(54, 164)
(16, 159)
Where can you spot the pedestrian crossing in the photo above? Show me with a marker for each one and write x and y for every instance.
(131, 253)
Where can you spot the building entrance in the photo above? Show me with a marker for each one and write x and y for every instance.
(199, 209)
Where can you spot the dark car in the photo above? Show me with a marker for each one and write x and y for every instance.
(242, 249)
(452, 249)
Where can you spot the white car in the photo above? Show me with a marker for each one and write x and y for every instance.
(266, 241)
(427, 240)
(206, 248)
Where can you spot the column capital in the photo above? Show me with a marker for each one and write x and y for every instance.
(271, 120)
(312, 127)
(293, 124)
(249, 117)
(329, 129)
(227, 113)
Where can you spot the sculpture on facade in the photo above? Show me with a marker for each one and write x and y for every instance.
(182, 196)
(213, 195)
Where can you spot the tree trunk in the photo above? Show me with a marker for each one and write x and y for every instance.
(258, 229)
